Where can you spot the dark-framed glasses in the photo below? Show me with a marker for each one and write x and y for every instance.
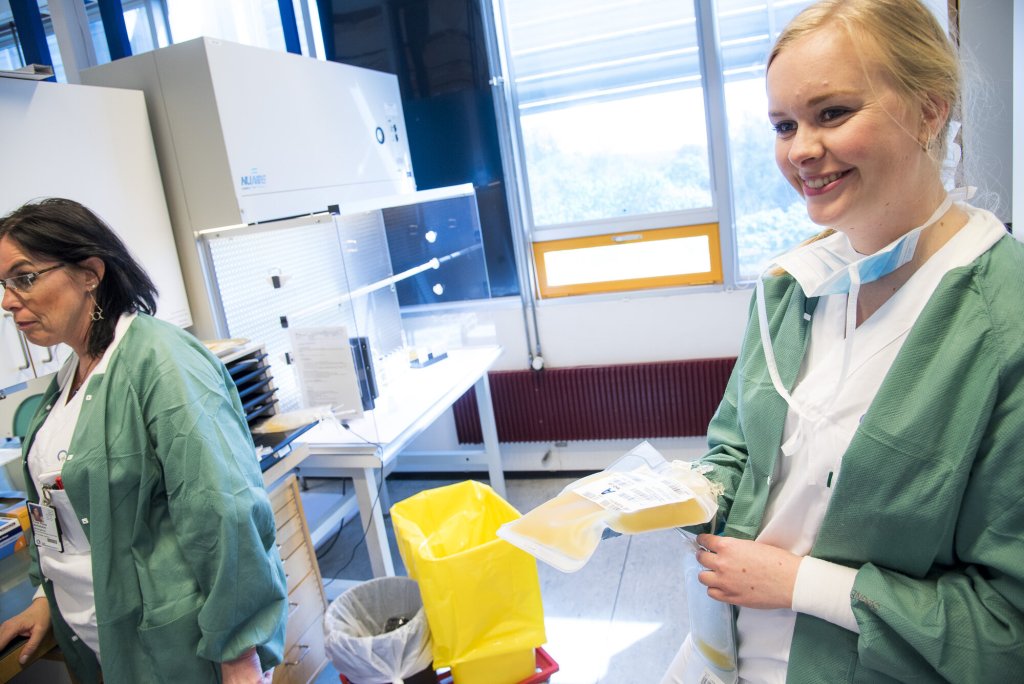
(25, 281)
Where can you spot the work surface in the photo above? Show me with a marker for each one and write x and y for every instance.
(16, 593)
(406, 406)
(365, 449)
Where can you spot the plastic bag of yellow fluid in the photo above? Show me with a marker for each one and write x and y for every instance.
(640, 492)
(481, 595)
(712, 627)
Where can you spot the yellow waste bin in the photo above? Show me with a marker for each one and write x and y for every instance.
(481, 595)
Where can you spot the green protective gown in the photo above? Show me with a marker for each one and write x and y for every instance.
(163, 475)
(927, 506)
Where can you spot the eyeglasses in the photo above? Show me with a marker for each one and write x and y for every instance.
(25, 281)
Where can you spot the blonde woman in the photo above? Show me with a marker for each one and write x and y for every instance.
(870, 438)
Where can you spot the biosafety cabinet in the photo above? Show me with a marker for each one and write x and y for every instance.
(246, 135)
(294, 204)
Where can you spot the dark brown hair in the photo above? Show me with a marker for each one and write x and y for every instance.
(63, 230)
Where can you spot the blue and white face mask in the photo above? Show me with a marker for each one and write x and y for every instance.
(832, 266)
(826, 267)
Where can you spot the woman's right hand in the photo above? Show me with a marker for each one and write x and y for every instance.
(33, 622)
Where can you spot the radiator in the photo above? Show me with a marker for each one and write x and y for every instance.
(630, 401)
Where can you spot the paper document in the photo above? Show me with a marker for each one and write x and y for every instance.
(326, 371)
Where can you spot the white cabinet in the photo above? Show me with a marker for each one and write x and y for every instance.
(16, 365)
(48, 360)
(304, 655)
(20, 360)
(92, 145)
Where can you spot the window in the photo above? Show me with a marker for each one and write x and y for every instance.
(611, 103)
(151, 24)
(613, 117)
(10, 51)
(146, 23)
(769, 216)
(12, 55)
(629, 261)
(611, 109)
(251, 22)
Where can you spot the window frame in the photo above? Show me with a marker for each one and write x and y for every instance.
(713, 276)
(720, 212)
(80, 24)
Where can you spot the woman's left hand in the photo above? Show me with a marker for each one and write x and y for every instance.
(747, 573)
(245, 669)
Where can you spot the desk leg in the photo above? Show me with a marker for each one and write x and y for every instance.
(490, 433)
(365, 483)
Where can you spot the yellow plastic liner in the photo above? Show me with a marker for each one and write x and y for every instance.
(481, 595)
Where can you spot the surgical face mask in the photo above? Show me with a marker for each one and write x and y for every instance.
(831, 266)
(827, 267)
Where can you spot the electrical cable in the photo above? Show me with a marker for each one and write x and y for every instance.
(366, 530)
(320, 555)
(362, 537)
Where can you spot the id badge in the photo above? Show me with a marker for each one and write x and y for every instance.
(45, 528)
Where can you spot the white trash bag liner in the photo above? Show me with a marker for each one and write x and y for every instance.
(355, 636)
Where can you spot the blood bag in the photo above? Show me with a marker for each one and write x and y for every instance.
(640, 492)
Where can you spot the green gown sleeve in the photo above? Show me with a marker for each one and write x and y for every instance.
(220, 512)
(966, 621)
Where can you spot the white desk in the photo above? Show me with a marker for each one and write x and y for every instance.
(407, 406)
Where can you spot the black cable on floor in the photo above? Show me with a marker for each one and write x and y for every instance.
(320, 555)
(362, 538)
(376, 499)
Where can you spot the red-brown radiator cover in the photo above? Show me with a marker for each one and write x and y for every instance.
(628, 401)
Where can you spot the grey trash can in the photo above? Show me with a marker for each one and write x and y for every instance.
(377, 632)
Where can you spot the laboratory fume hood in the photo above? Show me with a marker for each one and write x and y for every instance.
(293, 200)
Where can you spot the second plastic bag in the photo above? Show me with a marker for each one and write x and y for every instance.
(362, 643)
(712, 626)
(640, 492)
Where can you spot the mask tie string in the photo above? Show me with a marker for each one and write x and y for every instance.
(769, 356)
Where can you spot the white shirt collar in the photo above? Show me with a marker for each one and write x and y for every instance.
(67, 371)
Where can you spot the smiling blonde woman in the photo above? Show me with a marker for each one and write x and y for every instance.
(869, 439)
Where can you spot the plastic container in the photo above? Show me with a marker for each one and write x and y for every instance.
(544, 666)
(507, 668)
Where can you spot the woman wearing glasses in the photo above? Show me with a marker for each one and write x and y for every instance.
(155, 555)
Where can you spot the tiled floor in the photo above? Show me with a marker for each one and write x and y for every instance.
(619, 619)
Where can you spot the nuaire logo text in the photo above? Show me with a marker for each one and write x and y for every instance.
(253, 179)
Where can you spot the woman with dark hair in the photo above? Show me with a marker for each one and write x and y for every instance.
(158, 562)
